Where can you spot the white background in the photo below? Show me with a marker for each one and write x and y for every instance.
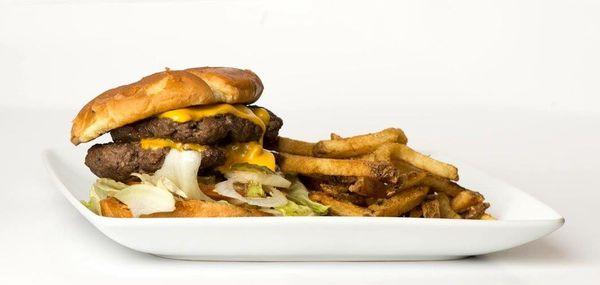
(509, 86)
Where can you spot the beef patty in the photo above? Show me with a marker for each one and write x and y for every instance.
(215, 130)
(118, 160)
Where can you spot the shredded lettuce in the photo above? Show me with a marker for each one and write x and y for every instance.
(299, 194)
(102, 189)
(293, 209)
(255, 190)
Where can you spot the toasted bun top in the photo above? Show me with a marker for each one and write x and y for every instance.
(161, 92)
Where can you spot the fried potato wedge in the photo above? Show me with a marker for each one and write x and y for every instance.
(112, 207)
(475, 212)
(338, 207)
(442, 185)
(305, 165)
(416, 212)
(487, 217)
(400, 203)
(446, 210)
(421, 161)
(293, 146)
(339, 147)
(431, 209)
(407, 159)
(465, 199)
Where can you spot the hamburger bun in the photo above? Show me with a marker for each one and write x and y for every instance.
(161, 92)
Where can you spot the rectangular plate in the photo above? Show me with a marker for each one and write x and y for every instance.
(521, 219)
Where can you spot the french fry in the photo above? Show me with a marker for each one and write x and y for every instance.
(335, 136)
(369, 187)
(487, 217)
(416, 212)
(431, 209)
(357, 145)
(292, 146)
(465, 199)
(446, 210)
(442, 185)
(421, 161)
(341, 192)
(400, 203)
(112, 207)
(338, 207)
(475, 212)
(412, 179)
(290, 163)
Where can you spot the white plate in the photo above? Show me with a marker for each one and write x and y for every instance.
(521, 219)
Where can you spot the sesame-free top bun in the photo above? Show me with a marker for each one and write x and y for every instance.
(161, 92)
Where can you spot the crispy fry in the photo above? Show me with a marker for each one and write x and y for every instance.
(400, 203)
(412, 179)
(475, 212)
(335, 136)
(342, 193)
(464, 200)
(112, 207)
(357, 145)
(431, 209)
(438, 184)
(442, 185)
(369, 187)
(446, 210)
(416, 212)
(402, 152)
(487, 217)
(338, 207)
(290, 163)
(292, 146)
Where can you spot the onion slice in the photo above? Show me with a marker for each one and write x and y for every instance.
(264, 179)
(276, 199)
(144, 199)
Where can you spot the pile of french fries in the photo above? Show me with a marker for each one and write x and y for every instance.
(377, 174)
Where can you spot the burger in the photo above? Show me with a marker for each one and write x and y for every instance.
(187, 143)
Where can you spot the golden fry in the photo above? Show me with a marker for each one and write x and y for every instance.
(424, 162)
(438, 184)
(335, 136)
(487, 217)
(112, 207)
(357, 145)
(431, 209)
(464, 200)
(475, 212)
(338, 207)
(442, 185)
(290, 163)
(446, 210)
(400, 203)
(416, 212)
(399, 153)
(297, 147)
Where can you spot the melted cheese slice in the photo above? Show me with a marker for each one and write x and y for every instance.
(250, 152)
(162, 143)
(197, 113)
